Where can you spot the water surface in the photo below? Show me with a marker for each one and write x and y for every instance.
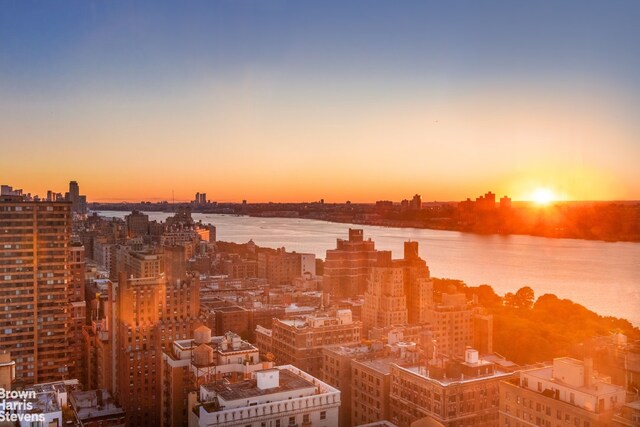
(603, 276)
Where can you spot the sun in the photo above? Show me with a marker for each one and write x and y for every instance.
(543, 196)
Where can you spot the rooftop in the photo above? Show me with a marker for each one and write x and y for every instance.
(445, 382)
(228, 309)
(598, 387)
(94, 404)
(349, 350)
(381, 365)
(215, 343)
(248, 389)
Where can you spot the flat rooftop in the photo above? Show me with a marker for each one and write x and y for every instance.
(421, 371)
(546, 373)
(229, 309)
(381, 365)
(348, 350)
(86, 405)
(248, 389)
(58, 387)
(215, 343)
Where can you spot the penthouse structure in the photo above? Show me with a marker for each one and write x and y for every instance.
(35, 287)
(346, 268)
(567, 392)
(280, 396)
(299, 341)
(453, 392)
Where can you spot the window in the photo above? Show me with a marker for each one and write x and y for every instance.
(292, 420)
(323, 415)
(305, 418)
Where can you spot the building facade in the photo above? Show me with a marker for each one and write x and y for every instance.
(150, 314)
(277, 397)
(299, 341)
(35, 287)
(346, 268)
(200, 360)
(453, 392)
(565, 393)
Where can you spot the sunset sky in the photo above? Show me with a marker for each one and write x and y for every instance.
(301, 100)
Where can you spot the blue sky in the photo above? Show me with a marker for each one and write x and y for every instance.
(268, 82)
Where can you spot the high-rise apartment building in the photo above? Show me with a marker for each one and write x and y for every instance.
(399, 292)
(35, 275)
(150, 314)
(346, 268)
(77, 310)
(7, 370)
(385, 302)
(99, 336)
(416, 203)
(78, 201)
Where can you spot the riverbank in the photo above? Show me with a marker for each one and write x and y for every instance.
(550, 222)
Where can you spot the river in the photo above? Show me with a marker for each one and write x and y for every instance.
(602, 276)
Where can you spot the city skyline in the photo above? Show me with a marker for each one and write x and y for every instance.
(288, 102)
(319, 214)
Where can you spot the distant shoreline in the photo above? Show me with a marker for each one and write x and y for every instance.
(378, 223)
